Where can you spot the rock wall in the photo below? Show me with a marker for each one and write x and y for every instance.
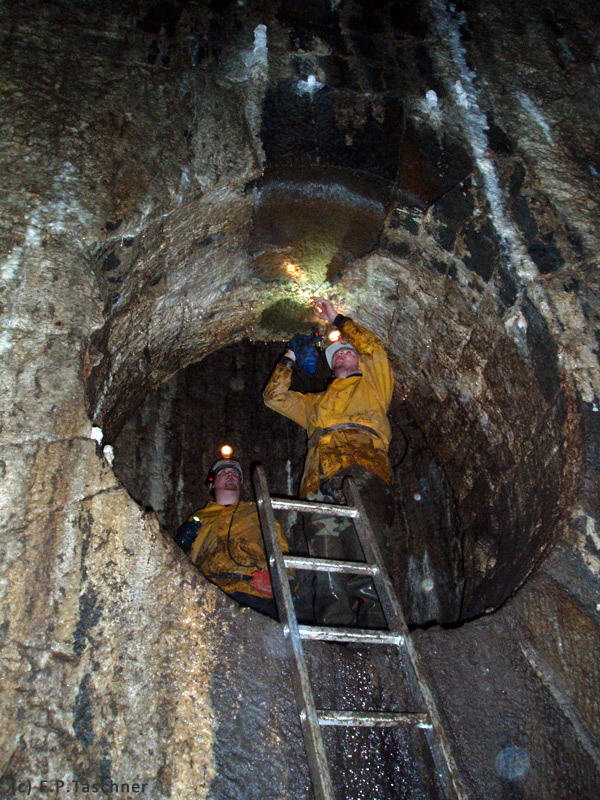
(167, 170)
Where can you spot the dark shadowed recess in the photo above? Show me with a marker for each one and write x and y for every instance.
(440, 540)
(165, 451)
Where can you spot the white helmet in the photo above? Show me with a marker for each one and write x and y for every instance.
(222, 464)
(334, 348)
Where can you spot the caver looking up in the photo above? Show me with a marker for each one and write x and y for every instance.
(225, 542)
(348, 435)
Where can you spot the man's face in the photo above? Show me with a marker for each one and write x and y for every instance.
(345, 359)
(228, 478)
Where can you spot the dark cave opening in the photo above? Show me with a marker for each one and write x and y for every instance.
(165, 450)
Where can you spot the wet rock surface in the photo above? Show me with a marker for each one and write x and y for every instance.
(141, 144)
(530, 655)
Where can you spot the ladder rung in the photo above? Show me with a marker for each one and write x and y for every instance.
(325, 509)
(349, 635)
(372, 719)
(330, 565)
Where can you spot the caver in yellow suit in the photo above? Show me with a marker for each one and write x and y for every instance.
(348, 434)
(229, 550)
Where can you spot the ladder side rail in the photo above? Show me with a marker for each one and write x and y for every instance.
(397, 624)
(309, 722)
(385, 588)
(439, 743)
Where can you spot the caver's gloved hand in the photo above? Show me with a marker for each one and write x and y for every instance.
(304, 347)
(186, 534)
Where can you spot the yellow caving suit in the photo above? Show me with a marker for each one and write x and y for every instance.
(359, 399)
(229, 548)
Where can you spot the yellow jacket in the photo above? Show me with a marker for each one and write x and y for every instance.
(229, 548)
(360, 399)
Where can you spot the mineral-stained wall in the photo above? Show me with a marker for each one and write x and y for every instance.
(179, 177)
